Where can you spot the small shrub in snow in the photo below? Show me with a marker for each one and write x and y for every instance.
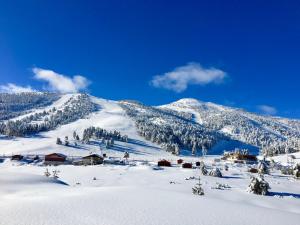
(58, 141)
(258, 186)
(203, 169)
(296, 171)
(226, 167)
(197, 189)
(126, 155)
(221, 186)
(215, 172)
(190, 178)
(286, 170)
(47, 173)
(55, 174)
(263, 167)
(67, 141)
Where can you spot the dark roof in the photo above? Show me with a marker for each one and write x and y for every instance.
(57, 154)
(92, 156)
(17, 157)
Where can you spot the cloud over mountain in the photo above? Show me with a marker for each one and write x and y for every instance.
(61, 83)
(13, 88)
(180, 78)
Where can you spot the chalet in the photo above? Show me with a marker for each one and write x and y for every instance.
(164, 163)
(179, 161)
(253, 170)
(239, 157)
(187, 165)
(55, 159)
(17, 157)
(93, 159)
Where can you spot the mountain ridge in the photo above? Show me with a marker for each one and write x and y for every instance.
(187, 124)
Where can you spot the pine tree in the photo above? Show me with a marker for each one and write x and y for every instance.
(215, 172)
(258, 186)
(74, 135)
(66, 141)
(58, 141)
(197, 189)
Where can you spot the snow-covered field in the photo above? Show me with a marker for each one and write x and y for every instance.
(139, 194)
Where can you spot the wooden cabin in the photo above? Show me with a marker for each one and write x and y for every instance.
(17, 157)
(253, 170)
(239, 157)
(187, 165)
(164, 163)
(55, 159)
(93, 159)
(179, 161)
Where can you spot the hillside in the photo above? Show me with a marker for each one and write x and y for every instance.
(185, 127)
(272, 134)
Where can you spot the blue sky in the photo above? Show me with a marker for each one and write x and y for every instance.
(238, 53)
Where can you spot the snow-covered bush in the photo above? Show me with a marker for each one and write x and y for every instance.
(221, 186)
(262, 167)
(287, 170)
(296, 171)
(197, 189)
(215, 172)
(203, 169)
(47, 173)
(258, 186)
(58, 141)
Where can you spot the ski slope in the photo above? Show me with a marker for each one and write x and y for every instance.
(109, 116)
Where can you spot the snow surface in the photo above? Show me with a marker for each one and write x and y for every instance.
(138, 194)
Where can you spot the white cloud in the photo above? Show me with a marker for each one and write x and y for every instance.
(266, 109)
(60, 82)
(180, 78)
(13, 88)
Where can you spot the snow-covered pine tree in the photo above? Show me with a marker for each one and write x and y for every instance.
(215, 172)
(258, 186)
(203, 169)
(58, 141)
(197, 189)
(296, 171)
(67, 141)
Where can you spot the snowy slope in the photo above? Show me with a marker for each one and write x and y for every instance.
(249, 128)
(109, 116)
(217, 127)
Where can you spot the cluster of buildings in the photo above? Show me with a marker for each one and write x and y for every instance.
(55, 159)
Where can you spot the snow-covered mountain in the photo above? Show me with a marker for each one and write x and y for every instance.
(272, 134)
(183, 127)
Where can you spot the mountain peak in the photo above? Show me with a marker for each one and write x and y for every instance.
(189, 101)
